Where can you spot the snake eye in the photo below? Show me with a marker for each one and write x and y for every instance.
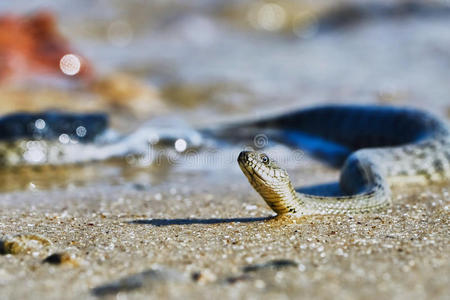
(265, 159)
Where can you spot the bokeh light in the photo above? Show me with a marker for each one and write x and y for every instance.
(35, 152)
(268, 16)
(81, 131)
(70, 64)
(180, 145)
(64, 138)
(39, 124)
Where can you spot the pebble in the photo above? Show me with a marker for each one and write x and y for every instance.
(60, 258)
(23, 244)
(273, 264)
(139, 280)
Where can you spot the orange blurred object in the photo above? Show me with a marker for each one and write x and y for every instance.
(32, 46)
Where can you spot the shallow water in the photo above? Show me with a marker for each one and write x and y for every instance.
(214, 67)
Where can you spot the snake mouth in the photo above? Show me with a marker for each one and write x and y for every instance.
(249, 167)
(246, 168)
(243, 157)
(251, 174)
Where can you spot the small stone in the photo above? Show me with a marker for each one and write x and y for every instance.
(236, 279)
(139, 280)
(205, 276)
(60, 258)
(8, 247)
(22, 244)
(274, 264)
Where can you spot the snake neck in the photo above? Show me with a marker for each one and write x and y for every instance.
(281, 197)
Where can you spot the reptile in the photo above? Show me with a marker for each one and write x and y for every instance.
(376, 146)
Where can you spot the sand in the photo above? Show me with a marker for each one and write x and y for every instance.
(199, 233)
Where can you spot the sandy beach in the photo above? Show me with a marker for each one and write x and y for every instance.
(202, 234)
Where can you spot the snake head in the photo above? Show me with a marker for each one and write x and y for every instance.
(260, 169)
(269, 180)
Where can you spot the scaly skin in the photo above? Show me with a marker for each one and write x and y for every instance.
(366, 173)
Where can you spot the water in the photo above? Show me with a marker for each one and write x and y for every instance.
(213, 66)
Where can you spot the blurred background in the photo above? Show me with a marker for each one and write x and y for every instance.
(201, 62)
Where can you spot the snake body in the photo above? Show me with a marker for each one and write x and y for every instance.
(375, 144)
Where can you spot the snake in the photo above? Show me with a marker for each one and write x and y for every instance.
(376, 147)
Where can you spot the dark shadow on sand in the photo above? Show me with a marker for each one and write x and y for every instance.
(169, 222)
